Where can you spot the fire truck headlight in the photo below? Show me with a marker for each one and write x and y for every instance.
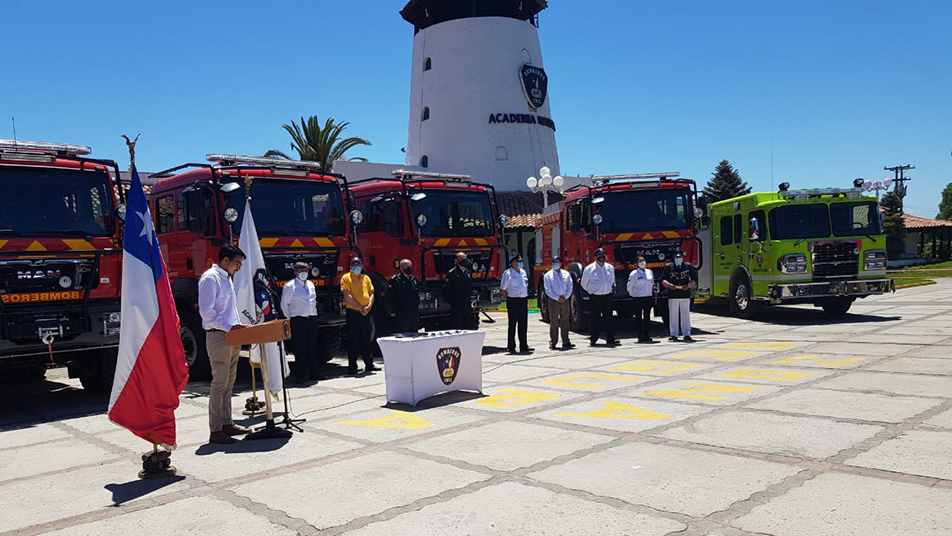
(121, 212)
(698, 212)
(114, 318)
(793, 264)
(315, 272)
(661, 256)
(875, 260)
(230, 214)
(65, 281)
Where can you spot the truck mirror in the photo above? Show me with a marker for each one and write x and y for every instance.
(753, 229)
(230, 214)
(121, 211)
(504, 220)
(421, 220)
(597, 219)
(356, 217)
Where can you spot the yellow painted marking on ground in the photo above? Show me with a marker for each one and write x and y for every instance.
(267, 242)
(703, 390)
(74, 243)
(441, 242)
(760, 345)
(324, 242)
(617, 410)
(661, 367)
(297, 244)
(565, 380)
(397, 419)
(779, 375)
(516, 397)
(671, 234)
(481, 241)
(820, 361)
(720, 355)
(36, 246)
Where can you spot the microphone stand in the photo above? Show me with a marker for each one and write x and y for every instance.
(287, 422)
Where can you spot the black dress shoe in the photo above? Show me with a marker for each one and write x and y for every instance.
(614, 342)
(371, 368)
(673, 339)
(687, 338)
(511, 350)
(568, 346)
(551, 347)
(591, 343)
(352, 370)
(527, 350)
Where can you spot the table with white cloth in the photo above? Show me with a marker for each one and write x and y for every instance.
(421, 365)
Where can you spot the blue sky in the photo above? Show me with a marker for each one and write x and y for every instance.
(838, 89)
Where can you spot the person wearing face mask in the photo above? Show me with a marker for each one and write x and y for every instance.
(403, 291)
(679, 278)
(598, 279)
(358, 293)
(299, 304)
(558, 290)
(459, 292)
(641, 288)
(515, 290)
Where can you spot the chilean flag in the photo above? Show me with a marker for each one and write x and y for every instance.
(150, 370)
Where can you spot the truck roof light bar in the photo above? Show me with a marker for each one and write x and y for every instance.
(609, 179)
(814, 192)
(407, 174)
(15, 146)
(237, 159)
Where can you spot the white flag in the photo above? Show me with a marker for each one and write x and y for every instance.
(254, 302)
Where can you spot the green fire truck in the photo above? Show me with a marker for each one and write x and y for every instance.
(821, 246)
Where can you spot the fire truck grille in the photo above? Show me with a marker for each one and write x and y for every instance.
(444, 260)
(834, 260)
(653, 252)
(45, 275)
(281, 267)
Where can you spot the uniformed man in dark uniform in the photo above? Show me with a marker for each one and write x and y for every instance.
(459, 289)
(403, 290)
(679, 278)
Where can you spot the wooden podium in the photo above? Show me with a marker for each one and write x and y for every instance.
(271, 331)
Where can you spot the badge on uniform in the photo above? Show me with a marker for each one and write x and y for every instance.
(447, 363)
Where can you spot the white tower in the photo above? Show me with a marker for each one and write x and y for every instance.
(478, 94)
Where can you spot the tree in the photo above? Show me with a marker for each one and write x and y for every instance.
(319, 144)
(893, 225)
(725, 183)
(945, 206)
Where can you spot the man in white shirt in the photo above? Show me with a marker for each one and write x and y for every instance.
(217, 305)
(299, 304)
(641, 288)
(598, 279)
(558, 291)
(515, 290)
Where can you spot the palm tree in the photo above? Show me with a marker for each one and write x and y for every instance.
(319, 144)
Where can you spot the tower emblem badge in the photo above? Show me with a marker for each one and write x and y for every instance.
(535, 84)
(447, 363)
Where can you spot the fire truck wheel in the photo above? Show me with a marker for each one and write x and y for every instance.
(578, 316)
(329, 343)
(742, 302)
(97, 368)
(837, 306)
(193, 341)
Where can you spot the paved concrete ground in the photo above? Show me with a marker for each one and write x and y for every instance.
(795, 425)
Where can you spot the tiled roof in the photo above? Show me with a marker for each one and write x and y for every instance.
(915, 222)
(523, 208)
(525, 220)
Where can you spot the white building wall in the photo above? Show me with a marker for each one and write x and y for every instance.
(474, 72)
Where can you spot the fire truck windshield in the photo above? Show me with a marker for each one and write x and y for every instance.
(793, 222)
(54, 202)
(452, 213)
(643, 210)
(853, 219)
(292, 207)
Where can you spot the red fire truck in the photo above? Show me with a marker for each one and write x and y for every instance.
(60, 262)
(299, 215)
(651, 215)
(428, 218)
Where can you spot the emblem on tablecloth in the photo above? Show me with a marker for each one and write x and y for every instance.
(447, 363)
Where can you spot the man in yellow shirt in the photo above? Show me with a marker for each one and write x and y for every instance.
(358, 293)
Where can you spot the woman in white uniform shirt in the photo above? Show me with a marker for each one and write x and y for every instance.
(641, 288)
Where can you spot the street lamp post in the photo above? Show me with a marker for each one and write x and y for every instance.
(544, 183)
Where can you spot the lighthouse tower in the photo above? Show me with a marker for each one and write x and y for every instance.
(479, 94)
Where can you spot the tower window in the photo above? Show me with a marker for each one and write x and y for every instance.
(426, 113)
(427, 63)
(502, 153)
(424, 161)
